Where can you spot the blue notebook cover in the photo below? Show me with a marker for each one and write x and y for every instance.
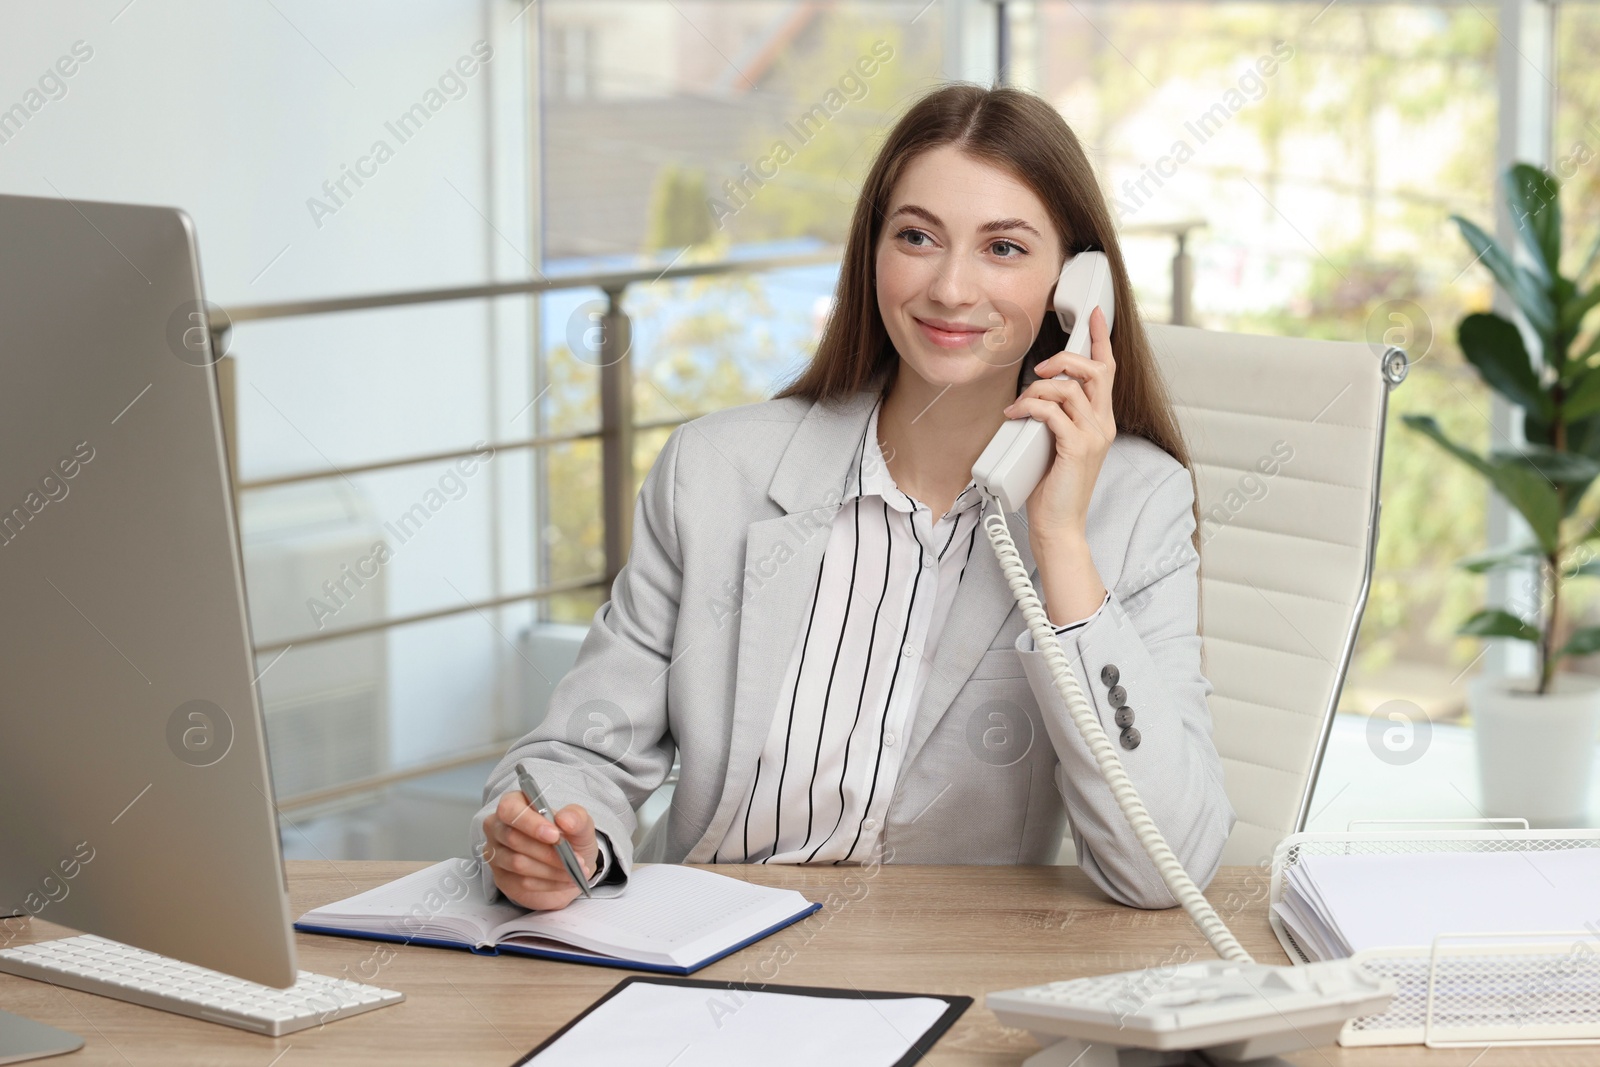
(556, 954)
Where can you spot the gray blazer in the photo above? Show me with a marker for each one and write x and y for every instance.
(688, 655)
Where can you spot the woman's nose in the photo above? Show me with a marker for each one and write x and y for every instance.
(953, 284)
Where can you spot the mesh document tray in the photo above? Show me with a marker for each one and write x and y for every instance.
(1505, 988)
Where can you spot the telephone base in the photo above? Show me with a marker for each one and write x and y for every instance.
(1210, 1012)
(1075, 1052)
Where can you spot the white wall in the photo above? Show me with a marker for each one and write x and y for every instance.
(238, 113)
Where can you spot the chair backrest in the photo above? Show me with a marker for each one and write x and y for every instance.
(1286, 440)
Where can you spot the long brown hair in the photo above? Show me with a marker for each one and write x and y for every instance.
(1024, 135)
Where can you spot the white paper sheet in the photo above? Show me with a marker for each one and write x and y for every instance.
(1393, 900)
(652, 1025)
(1307, 932)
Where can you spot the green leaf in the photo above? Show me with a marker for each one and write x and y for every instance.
(1524, 489)
(1583, 435)
(1583, 399)
(1517, 281)
(1569, 473)
(1562, 290)
(1533, 197)
(1537, 429)
(1497, 558)
(1494, 346)
(1573, 311)
(1592, 349)
(1582, 642)
(1492, 622)
(1575, 497)
(1588, 535)
(1562, 468)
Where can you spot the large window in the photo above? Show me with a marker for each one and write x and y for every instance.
(1309, 155)
(706, 131)
(1324, 148)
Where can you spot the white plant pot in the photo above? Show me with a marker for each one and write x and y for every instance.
(1535, 753)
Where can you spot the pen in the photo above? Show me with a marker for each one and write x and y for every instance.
(569, 858)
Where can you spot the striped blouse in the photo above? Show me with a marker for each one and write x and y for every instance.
(888, 576)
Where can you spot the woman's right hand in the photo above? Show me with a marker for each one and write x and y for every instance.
(522, 852)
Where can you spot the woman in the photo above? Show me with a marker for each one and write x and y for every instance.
(807, 616)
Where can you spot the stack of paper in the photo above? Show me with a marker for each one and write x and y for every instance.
(1336, 906)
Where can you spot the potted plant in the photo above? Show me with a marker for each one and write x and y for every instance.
(1536, 735)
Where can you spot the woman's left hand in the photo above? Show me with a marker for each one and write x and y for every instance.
(1077, 410)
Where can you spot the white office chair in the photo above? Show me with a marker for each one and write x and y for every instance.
(1286, 558)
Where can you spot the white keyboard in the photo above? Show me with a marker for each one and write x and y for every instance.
(112, 969)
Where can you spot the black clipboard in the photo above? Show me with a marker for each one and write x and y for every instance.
(954, 1007)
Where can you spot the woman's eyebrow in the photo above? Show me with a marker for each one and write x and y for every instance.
(988, 227)
(1008, 224)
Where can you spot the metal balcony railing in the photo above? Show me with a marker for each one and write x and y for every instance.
(617, 427)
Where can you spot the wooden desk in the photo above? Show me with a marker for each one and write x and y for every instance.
(965, 930)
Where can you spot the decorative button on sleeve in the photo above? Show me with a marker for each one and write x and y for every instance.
(1118, 695)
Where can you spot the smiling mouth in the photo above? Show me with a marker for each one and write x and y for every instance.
(960, 337)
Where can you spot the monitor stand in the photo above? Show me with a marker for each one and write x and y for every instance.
(23, 1039)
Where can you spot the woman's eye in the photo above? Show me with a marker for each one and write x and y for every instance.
(1002, 249)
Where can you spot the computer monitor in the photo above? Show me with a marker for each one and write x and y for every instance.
(133, 769)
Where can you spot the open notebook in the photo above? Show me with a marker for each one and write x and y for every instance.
(670, 918)
(1337, 906)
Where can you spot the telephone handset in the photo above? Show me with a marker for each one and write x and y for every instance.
(1234, 1008)
(1019, 454)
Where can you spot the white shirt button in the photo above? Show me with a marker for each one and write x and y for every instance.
(927, 562)
(888, 739)
(910, 649)
(870, 824)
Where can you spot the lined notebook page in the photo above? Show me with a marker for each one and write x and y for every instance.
(667, 914)
(666, 906)
(445, 896)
